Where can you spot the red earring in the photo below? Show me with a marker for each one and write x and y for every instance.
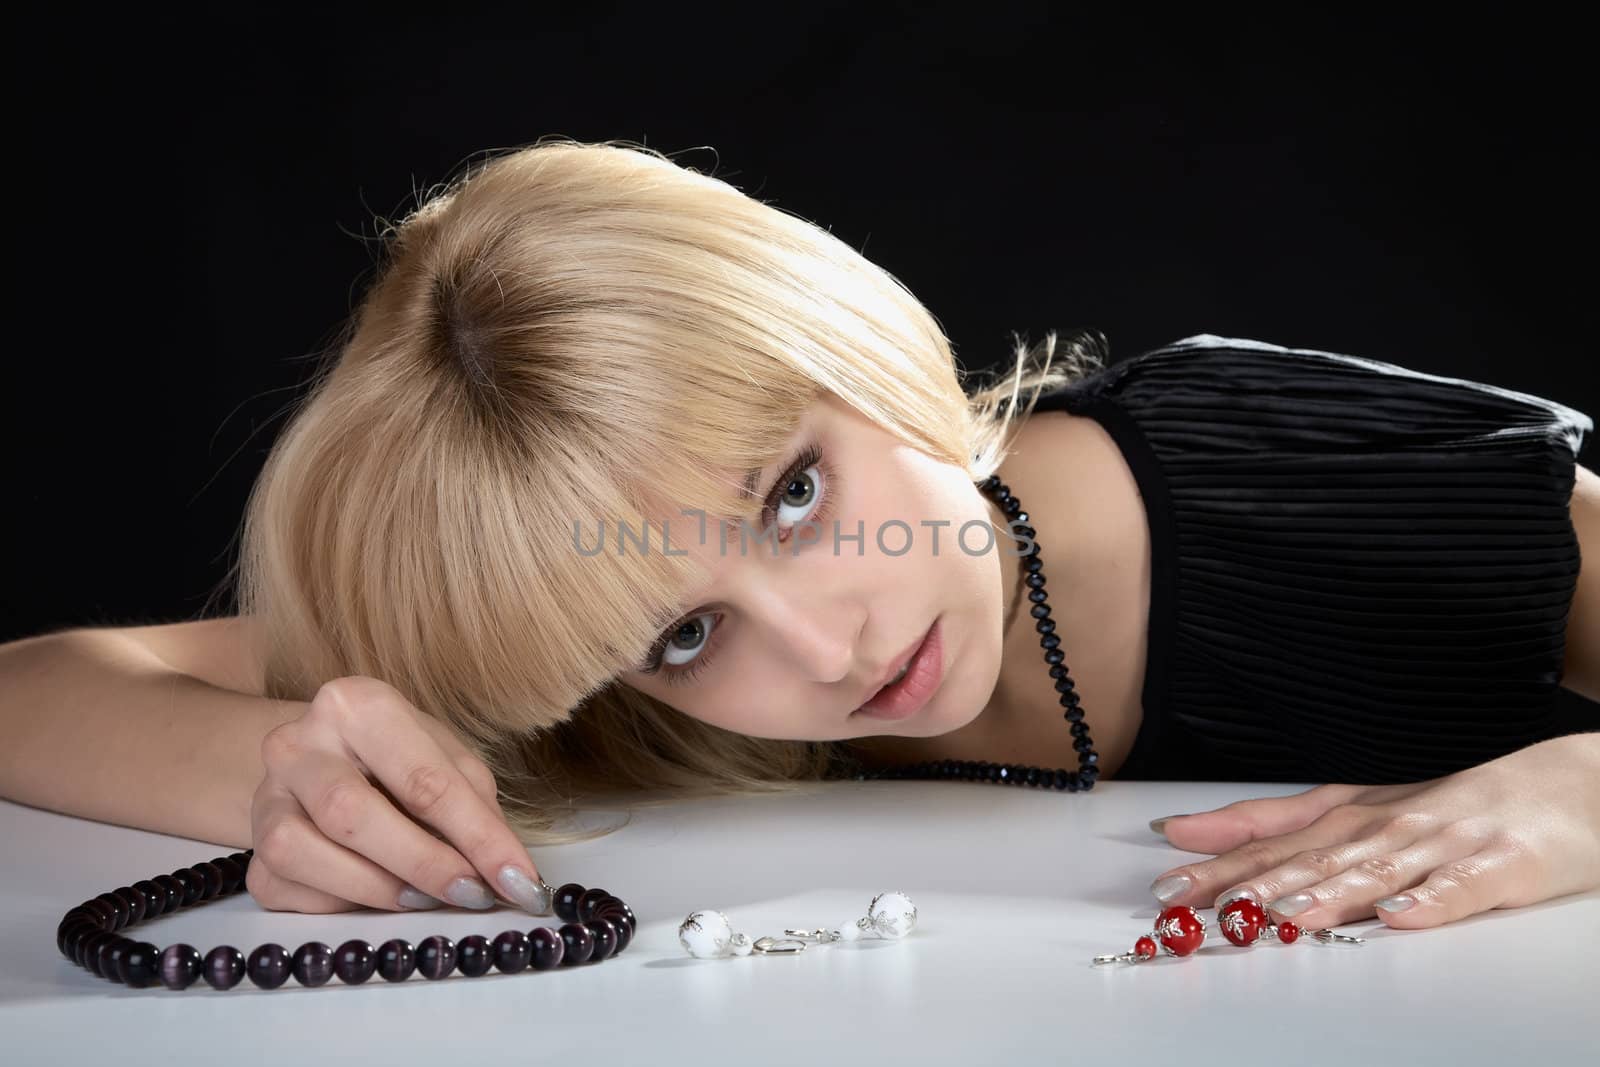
(1180, 930)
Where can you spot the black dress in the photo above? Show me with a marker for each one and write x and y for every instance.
(1359, 572)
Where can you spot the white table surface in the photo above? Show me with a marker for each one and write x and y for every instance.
(1017, 889)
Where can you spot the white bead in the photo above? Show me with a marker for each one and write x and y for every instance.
(741, 945)
(706, 935)
(892, 914)
(849, 931)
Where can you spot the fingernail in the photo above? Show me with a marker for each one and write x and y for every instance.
(416, 900)
(1235, 894)
(469, 893)
(1293, 904)
(1396, 903)
(1171, 886)
(524, 890)
(1158, 824)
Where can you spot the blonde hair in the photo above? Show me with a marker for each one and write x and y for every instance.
(579, 336)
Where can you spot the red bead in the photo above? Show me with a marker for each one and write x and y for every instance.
(1144, 948)
(1242, 921)
(1288, 933)
(1180, 929)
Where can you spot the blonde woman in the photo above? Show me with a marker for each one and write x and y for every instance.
(485, 577)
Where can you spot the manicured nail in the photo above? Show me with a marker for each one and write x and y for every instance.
(1170, 887)
(1293, 904)
(1396, 903)
(1235, 894)
(469, 893)
(1158, 824)
(416, 900)
(524, 890)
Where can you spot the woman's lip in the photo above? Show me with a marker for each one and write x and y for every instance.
(911, 694)
(896, 666)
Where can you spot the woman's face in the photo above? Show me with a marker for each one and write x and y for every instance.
(789, 643)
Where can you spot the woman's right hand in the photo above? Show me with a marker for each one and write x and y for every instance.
(327, 837)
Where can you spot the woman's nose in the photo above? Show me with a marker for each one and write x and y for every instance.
(816, 634)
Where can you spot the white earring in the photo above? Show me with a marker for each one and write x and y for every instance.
(709, 934)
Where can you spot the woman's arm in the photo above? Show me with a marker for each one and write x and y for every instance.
(1581, 669)
(139, 727)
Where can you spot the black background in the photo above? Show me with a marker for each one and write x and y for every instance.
(193, 208)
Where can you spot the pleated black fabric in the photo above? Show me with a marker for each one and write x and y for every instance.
(1359, 572)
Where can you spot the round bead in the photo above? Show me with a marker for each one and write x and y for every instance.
(76, 939)
(436, 957)
(892, 914)
(232, 873)
(71, 930)
(396, 960)
(210, 879)
(705, 935)
(1288, 933)
(354, 961)
(1180, 929)
(512, 951)
(224, 967)
(190, 883)
(108, 958)
(268, 965)
(624, 932)
(100, 911)
(548, 948)
(474, 956)
(587, 903)
(605, 938)
(174, 890)
(155, 898)
(578, 944)
(1242, 921)
(86, 953)
(119, 910)
(1144, 948)
(139, 965)
(180, 966)
(133, 899)
(741, 945)
(312, 964)
(566, 901)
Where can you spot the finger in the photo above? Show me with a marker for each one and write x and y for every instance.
(1325, 887)
(377, 723)
(1199, 884)
(349, 812)
(1228, 827)
(292, 853)
(1484, 880)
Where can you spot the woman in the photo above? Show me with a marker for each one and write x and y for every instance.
(487, 571)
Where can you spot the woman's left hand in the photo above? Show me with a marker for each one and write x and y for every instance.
(1507, 833)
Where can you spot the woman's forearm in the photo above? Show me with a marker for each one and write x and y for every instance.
(93, 724)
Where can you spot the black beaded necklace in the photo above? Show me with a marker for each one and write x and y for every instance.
(1083, 778)
(596, 927)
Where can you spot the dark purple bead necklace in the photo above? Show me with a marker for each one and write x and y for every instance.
(596, 927)
(1083, 778)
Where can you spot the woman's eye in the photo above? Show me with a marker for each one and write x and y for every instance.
(688, 640)
(802, 494)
